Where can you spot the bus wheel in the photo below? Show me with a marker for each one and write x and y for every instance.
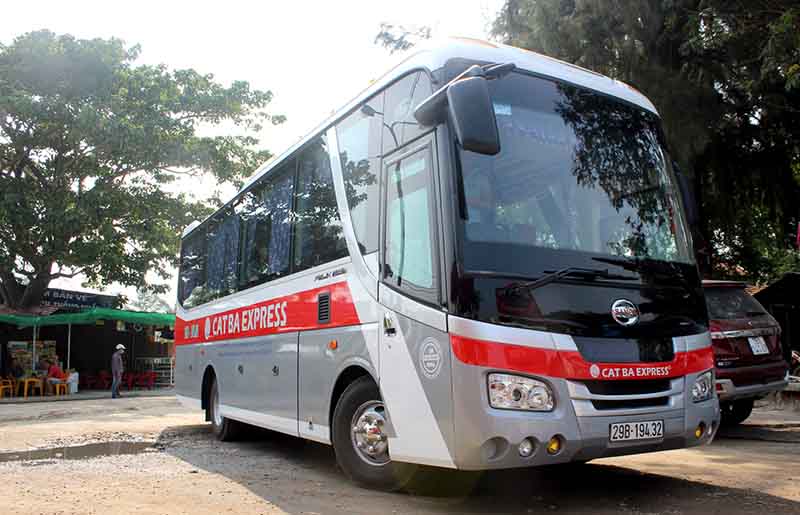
(360, 440)
(224, 429)
(736, 412)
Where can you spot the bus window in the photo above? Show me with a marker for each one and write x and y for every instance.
(192, 275)
(266, 235)
(318, 230)
(359, 150)
(409, 223)
(401, 98)
(223, 254)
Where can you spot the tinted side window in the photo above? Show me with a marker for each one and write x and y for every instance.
(266, 219)
(359, 150)
(318, 230)
(192, 277)
(223, 254)
(400, 100)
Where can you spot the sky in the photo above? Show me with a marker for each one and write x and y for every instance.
(314, 56)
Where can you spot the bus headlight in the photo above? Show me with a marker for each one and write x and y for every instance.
(703, 387)
(522, 393)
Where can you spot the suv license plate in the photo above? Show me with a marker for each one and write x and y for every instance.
(758, 345)
(628, 431)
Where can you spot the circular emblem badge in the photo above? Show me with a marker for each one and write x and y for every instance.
(207, 328)
(594, 370)
(624, 312)
(430, 358)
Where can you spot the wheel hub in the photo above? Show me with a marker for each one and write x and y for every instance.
(367, 433)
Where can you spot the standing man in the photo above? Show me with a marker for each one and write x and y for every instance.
(116, 370)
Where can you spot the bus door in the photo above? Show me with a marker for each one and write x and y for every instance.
(414, 359)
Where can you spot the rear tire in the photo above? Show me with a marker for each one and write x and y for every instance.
(223, 428)
(736, 412)
(359, 442)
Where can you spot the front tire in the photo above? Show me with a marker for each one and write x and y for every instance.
(223, 428)
(360, 441)
(736, 412)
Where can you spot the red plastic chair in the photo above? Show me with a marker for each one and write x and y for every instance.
(87, 381)
(103, 380)
(146, 380)
(128, 379)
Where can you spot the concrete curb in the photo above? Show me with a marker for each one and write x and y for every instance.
(90, 395)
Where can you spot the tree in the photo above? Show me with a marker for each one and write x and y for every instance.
(88, 143)
(397, 38)
(148, 301)
(725, 76)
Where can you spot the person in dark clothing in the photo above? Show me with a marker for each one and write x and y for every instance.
(117, 368)
(16, 370)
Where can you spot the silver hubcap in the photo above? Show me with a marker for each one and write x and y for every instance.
(367, 433)
(215, 408)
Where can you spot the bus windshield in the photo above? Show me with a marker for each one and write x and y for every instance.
(579, 173)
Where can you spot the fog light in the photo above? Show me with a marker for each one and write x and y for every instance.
(700, 430)
(526, 448)
(554, 445)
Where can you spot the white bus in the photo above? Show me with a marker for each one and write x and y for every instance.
(481, 262)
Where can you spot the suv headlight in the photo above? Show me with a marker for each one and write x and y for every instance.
(703, 387)
(522, 393)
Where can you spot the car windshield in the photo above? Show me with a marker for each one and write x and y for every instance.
(578, 171)
(731, 303)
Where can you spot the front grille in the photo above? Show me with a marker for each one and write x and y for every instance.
(625, 350)
(629, 403)
(632, 387)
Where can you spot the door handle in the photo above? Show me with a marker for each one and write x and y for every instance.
(388, 325)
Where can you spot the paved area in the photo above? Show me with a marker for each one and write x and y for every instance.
(149, 455)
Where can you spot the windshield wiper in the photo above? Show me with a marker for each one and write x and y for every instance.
(552, 276)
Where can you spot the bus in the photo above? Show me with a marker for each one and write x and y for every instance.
(481, 262)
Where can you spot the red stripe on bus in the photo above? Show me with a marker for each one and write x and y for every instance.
(570, 364)
(295, 312)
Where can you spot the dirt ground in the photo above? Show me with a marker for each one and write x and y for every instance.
(149, 455)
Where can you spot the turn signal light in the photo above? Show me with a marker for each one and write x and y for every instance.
(333, 345)
(554, 445)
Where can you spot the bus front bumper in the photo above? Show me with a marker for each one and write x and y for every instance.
(491, 438)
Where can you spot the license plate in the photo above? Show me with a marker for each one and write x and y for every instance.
(758, 345)
(628, 431)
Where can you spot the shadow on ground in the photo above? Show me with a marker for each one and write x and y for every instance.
(300, 476)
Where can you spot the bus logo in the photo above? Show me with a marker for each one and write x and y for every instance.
(430, 358)
(624, 312)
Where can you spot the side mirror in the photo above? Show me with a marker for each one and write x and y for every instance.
(466, 100)
(472, 113)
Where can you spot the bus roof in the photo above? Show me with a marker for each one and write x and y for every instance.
(434, 55)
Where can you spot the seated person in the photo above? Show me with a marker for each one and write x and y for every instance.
(54, 375)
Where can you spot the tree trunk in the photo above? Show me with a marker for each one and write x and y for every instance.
(18, 296)
(10, 290)
(34, 291)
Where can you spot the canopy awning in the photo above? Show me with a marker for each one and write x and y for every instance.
(89, 317)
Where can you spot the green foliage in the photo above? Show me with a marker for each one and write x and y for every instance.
(725, 76)
(397, 38)
(88, 143)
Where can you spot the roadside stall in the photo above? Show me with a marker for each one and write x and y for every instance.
(82, 342)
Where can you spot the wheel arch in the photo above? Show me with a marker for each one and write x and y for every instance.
(346, 377)
(208, 375)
